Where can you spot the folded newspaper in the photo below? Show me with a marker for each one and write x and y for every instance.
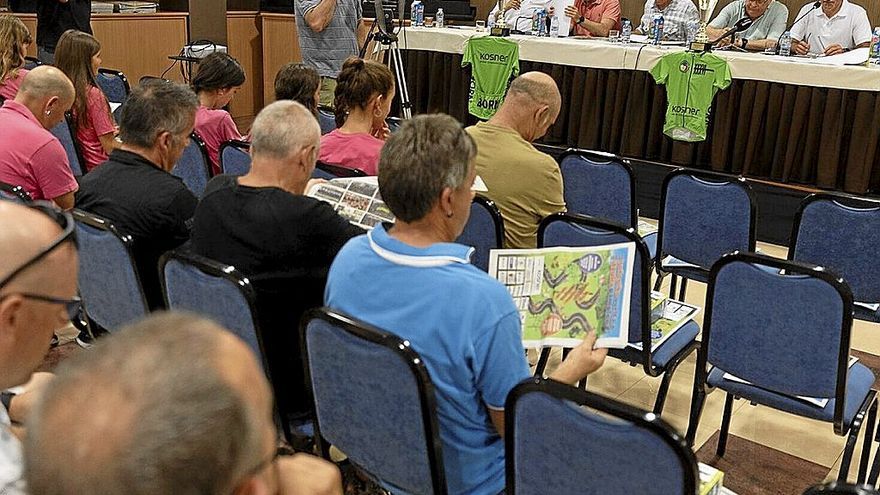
(563, 293)
(356, 199)
(667, 316)
(816, 401)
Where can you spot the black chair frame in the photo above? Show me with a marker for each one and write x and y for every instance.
(625, 412)
(120, 75)
(708, 177)
(401, 348)
(203, 149)
(604, 158)
(340, 171)
(68, 117)
(489, 205)
(701, 389)
(629, 355)
(33, 60)
(835, 488)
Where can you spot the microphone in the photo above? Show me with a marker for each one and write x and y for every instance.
(815, 6)
(740, 25)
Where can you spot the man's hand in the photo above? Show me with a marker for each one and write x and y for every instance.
(21, 405)
(304, 474)
(834, 49)
(581, 361)
(512, 5)
(572, 11)
(800, 47)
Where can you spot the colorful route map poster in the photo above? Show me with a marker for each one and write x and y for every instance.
(563, 293)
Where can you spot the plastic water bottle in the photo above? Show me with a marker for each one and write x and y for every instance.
(490, 21)
(421, 14)
(785, 44)
(438, 18)
(414, 13)
(657, 29)
(626, 29)
(542, 22)
(536, 29)
(554, 27)
(874, 51)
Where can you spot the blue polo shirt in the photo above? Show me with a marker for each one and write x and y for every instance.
(463, 324)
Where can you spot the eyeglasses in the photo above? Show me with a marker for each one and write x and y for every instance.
(68, 234)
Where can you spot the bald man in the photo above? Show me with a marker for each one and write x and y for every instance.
(38, 269)
(524, 183)
(30, 156)
(177, 405)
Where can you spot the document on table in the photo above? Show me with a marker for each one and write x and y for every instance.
(564, 21)
(853, 57)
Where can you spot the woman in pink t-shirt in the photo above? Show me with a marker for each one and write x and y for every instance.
(364, 90)
(79, 55)
(218, 78)
(14, 41)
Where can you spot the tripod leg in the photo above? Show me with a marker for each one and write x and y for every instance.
(405, 105)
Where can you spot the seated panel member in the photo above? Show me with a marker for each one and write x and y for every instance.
(835, 28)
(768, 17)
(676, 15)
(594, 17)
(518, 13)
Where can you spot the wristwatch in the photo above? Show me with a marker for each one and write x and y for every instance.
(745, 42)
(580, 20)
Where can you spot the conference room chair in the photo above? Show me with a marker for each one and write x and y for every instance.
(836, 488)
(559, 439)
(484, 231)
(194, 167)
(114, 84)
(784, 327)
(31, 63)
(602, 185)
(16, 194)
(338, 171)
(109, 283)
(703, 215)
(235, 158)
(566, 229)
(842, 233)
(326, 119)
(374, 401)
(62, 131)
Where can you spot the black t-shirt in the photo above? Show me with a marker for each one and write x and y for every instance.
(285, 244)
(144, 201)
(54, 17)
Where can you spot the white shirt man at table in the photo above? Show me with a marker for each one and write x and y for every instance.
(837, 27)
(518, 13)
(676, 16)
(768, 17)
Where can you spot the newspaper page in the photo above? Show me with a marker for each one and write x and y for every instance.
(563, 293)
(355, 199)
(667, 316)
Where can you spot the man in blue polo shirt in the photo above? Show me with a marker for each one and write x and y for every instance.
(411, 279)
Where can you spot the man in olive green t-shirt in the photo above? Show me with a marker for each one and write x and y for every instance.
(524, 183)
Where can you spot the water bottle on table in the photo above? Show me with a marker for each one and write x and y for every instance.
(414, 12)
(657, 29)
(626, 29)
(785, 44)
(438, 18)
(874, 50)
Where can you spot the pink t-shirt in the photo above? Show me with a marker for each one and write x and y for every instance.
(359, 151)
(30, 156)
(215, 127)
(98, 122)
(9, 87)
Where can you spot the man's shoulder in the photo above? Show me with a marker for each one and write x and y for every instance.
(856, 9)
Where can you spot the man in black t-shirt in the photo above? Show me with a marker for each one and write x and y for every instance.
(56, 16)
(284, 241)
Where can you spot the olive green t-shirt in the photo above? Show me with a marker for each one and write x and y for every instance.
(525, 184)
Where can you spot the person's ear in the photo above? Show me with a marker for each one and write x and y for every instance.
(165, 141)
(10, 317)
(53, 104)
(447, 202)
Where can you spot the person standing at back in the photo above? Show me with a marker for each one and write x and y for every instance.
(54, 17)
(216, 82)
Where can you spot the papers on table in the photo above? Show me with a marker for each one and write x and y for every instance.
(638, 38)
(853, 57)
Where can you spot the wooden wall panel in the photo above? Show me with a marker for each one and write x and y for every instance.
(245, 44)
(280, 46)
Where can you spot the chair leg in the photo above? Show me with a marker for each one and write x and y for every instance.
(683, 291)
(866, 445)
(659, 280)
(698, 400)
(542, 361)
(853, 435)
(875, 466)
(725, 425)
(673, 284)
(660, 401)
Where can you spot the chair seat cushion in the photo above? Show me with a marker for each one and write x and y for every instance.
(858, 384)
(675, 343)
(866, 314)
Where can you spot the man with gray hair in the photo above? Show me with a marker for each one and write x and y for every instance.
(175, 405)
(284, 241)
(524, 183)
(135, 190)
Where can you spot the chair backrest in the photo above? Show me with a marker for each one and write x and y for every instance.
(566, 229)
(781, 325)
(704, 216)
(320, 173)
(484, 231)
(62, 131)
(326, 119)
(114, 84)
(214, 290)
(339, 171)
(842, 234)
(235, 158)
(193, 166)
(31, 63)
(609, 448)
(16, 194)
(374, 401)
(599, 185)
(109, 283)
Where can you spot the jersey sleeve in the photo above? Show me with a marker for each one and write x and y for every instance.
(660, 71)
(722, 75)
(514, 60)
(468, 55)
(52, 171)
(499, 360)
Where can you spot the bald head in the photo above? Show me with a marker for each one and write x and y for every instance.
(25, 232)
(175, 405)
(531, 106)
(45, 81)
(533, 89)
(282, 129)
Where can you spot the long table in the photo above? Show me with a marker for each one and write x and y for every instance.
(783, 119)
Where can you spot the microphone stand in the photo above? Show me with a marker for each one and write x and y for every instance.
(815, 6)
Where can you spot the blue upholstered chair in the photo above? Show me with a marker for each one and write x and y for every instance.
(484, 231)
(16, 194)
(114, 84)
(566, 229)
(235, 158)
(835, 488)
(109, 283)
(320, 173)
(607, 447)
(337, 171)
(194, 166)
(784, 327)
(842, 233)
(31, 63)
(703, 216)
(326, 119)
(374, 401)
(62, 131)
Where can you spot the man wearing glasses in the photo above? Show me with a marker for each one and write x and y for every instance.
(176, 405)
(837, 27)
(38, 270)
(768, 23)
